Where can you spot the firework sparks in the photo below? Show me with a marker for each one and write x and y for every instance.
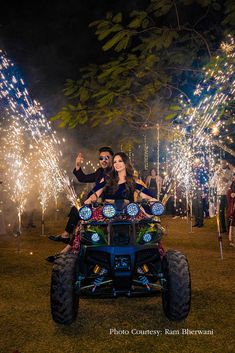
(17, 102)
(17, 163)
(201, 124)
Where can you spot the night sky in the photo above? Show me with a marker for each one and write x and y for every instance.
(50, 41)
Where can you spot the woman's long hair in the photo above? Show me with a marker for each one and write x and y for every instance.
(112, 177)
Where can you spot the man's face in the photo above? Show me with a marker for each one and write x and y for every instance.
(105, 159)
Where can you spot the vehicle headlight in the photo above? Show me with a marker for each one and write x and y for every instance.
(157, 209)
(109, 211)
(95, 237)
(85, 213)
(132, 209)
(147, 237)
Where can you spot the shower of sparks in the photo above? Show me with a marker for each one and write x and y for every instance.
(201, 125)
(44, 189)
(17, 165)
(16, 102)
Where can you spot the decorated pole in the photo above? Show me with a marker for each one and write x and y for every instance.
(218, 228)
(146, 153)
(191, 212)
(158, 163)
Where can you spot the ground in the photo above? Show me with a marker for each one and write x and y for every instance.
(27, 327)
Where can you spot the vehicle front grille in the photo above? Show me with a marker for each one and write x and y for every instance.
(147, 255)
(120, 234)
(98, 257)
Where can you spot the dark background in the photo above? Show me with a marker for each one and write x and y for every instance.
(50, 41)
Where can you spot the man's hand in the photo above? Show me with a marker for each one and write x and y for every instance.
(79, 160)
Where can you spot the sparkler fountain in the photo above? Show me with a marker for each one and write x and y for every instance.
(198, 122)
(17, 102)
(17, 173)
(44, 195)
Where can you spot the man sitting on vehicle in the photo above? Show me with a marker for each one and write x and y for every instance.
(105, 161)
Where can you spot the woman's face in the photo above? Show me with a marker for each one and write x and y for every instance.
(118, 164)
(153, 173)
(233, 179)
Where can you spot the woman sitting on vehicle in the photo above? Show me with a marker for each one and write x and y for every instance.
(119, 184)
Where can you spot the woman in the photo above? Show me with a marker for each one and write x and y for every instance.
(119, 184)
(154, 182)
(231, 211)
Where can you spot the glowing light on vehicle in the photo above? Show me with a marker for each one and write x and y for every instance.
(85, 213)
(132, 209)
(157, 209)
(95, 237)
(147, 237)
(109, 211)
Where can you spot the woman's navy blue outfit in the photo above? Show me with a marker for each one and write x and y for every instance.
(122, 191)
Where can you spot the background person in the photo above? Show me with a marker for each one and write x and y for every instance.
(231, 211)
(223, 178)
(154, 182)
(200, 181)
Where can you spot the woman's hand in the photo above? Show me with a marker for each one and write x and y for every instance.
(232, 194)
(152, 199)
(90, 199)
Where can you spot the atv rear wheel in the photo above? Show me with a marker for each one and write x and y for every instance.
(176, 297)
(64, 301)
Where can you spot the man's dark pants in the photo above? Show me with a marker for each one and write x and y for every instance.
(73, 220)
(198, 209)
(223, 205)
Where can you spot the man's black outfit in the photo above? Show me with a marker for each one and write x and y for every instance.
(90, 178)
(73, 215)
(201, 179)
(223, 205)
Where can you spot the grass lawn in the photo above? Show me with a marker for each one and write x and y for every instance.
(26, 325)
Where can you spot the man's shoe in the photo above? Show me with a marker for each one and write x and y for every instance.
(52, 258)
(200, 225)
(196, 225)
(59, 238)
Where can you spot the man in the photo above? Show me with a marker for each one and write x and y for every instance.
(223, 179)
(105, 160)
(200, 182)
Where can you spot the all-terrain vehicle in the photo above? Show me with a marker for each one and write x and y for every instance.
(120, 255)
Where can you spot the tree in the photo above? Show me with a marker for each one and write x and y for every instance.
(157, 53)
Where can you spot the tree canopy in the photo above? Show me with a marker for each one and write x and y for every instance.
(156, 55)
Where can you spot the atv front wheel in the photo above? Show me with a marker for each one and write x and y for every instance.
(176, 296)
(64, 301)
